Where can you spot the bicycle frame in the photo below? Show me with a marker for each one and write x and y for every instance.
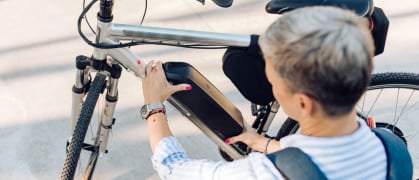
(108, 60)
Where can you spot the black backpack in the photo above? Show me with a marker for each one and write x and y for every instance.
(293, 163)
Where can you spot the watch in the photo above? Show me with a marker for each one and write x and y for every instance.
(148, 109)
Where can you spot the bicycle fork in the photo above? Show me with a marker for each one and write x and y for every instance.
(84, 67)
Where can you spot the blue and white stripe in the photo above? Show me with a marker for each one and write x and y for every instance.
(360, 155)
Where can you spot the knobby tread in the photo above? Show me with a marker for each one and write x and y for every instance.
(395, 78)
(82, 125)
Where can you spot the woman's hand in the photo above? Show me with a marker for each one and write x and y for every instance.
(155, 86)
(251, 138)
(255, 141)
(157, 89)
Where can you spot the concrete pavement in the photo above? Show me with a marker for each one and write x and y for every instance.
(37, 51)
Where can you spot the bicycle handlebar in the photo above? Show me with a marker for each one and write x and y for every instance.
(221, 3)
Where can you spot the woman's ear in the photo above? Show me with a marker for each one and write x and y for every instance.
(306, 104)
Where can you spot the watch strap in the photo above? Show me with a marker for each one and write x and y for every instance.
(149, 109)
(155, 111)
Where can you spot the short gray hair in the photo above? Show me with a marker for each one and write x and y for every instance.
(324, 52)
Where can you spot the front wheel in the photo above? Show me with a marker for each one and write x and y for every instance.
(392, 99)
(78, 143)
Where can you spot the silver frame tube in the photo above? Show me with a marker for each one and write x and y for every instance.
(106, 120)
(144, 33)
(124, 56)
(274, 109)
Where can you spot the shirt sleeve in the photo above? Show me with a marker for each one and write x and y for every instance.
(168, 153)
(171, 162)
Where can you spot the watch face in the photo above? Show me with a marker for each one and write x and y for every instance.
(144, 111)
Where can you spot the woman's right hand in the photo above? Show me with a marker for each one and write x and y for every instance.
(251, 138)
(255, 141)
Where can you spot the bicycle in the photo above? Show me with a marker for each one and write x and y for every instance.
(111, 55)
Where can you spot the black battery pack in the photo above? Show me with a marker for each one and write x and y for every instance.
(208, 108)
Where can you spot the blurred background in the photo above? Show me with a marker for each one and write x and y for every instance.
(39, 43)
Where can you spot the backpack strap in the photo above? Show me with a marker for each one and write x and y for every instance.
(293, 163)
(399, 162)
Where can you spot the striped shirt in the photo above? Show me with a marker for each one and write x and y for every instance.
(360, 155)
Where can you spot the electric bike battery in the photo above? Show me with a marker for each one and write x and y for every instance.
(206, 107)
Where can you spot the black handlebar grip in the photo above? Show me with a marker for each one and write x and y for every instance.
(223, 3)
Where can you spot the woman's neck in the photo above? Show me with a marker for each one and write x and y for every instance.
(322, 126)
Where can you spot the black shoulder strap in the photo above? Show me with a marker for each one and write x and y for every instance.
(399, 162)
(293, 163)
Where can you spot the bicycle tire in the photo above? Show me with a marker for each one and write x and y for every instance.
(77, 141)
(391, 82)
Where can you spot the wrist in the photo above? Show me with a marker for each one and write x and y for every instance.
(156, 116)
(268, 141)
(260, 144)
(152, 101)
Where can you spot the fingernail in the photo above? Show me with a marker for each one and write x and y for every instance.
(227, 141)
(138, 62)
(188, 87)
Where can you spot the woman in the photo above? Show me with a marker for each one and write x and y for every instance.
(319, 62)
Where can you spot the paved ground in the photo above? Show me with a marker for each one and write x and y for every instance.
(39, 42)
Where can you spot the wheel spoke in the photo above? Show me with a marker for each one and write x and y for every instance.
(395, 110)
(412, 134)
(404, 107)
(375, 101)
(363, 103)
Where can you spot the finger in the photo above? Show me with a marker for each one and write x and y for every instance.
(141, 69)
(234, 139)
(148, 67)
(159, 66)
(153, 65)
(181, 87)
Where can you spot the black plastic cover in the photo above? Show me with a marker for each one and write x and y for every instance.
(361, 7)
(204, 103)
(380, 29)
(245, 67)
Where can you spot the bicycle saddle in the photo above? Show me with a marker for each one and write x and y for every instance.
(360, 7)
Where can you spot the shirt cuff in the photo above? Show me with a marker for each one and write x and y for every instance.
(167, 154)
